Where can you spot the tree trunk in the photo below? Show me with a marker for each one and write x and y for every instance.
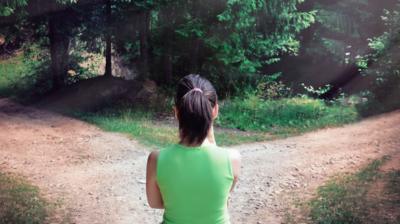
(144, 43)
(167, 57)
(168, 66)
(167, 15)
(59, 44)
(108, 69)
(195, 48)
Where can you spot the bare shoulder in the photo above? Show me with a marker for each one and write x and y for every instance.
(234, 155)
(154, 154)
(152, 159)
(235, 158)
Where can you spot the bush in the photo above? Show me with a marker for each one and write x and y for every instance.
(25, 76)
(282, 115)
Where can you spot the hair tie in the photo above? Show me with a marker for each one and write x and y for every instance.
(196, 89)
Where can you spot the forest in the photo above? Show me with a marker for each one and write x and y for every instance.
(281, 68)
(279, 46)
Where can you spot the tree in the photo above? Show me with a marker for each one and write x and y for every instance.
(108, 15)
(382, 67)
(59, 38)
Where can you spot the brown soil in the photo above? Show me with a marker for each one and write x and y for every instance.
(100, 177)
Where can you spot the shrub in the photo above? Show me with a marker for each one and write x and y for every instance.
(295, 114)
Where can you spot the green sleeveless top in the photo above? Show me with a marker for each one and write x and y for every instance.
(194, 183)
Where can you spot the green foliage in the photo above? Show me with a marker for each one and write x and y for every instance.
(246, 44)
(20, 202)
(316, 92)
(283, 116)
(25, 76)
(231, 41)
(383, 68)
(8, 7)
(343, 28)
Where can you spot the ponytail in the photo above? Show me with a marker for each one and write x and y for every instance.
(195, 100)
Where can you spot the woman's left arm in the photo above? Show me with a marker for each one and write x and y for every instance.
(152, 190)
(236, 164)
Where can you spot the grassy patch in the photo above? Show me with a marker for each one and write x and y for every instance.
(143, 126)
(239, 121)
(137, 123)
(20, 202)
(283, 116)
(24, 76)
(11, 70)
(359, 198)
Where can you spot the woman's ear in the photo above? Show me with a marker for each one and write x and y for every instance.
(215, 111)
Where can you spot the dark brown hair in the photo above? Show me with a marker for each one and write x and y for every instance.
(195, 99)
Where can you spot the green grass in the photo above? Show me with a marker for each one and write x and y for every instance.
(240, 120)
(284, 116)
(20, 202)
(142, 126)
(134, 122)
(11, 71)
(347, 200)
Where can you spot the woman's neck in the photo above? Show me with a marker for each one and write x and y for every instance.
(209, 140)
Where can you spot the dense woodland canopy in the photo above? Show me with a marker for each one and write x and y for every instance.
(338, 46)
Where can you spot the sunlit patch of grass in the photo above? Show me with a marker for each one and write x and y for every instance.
(240, 120)
(347, 200)
(283, 116)
(11, 70)
(143, 127)
(138, 124)
(20, 202)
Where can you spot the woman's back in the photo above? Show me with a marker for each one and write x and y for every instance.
(195, 183)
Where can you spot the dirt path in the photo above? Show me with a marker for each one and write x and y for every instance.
(99, 176)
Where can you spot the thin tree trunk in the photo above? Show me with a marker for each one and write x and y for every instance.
(108, 69)
(167, 57)
(167, 15)
(195, 50)
(59, 44)
(168, 66)
(144, 43)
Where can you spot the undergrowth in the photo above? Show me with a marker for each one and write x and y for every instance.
(143, 126)
(20, 202)
(239, 121)
(283, 116)
(348, 199)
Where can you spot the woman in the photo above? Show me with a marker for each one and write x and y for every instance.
(192, 180)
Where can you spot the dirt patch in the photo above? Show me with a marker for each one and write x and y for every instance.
(99, 176)
(279, 173)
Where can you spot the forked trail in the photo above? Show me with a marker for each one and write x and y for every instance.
(99, 177)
